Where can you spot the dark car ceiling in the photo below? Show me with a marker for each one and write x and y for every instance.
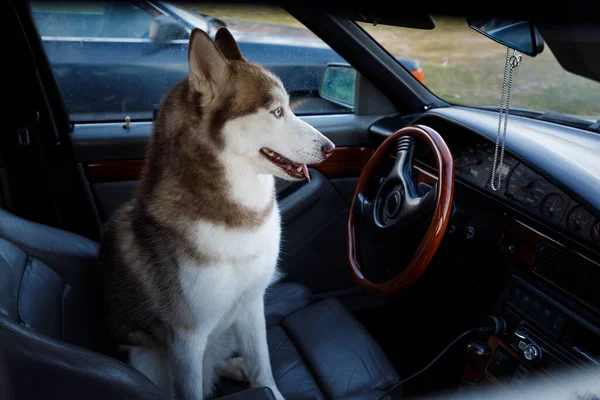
(575, 11)
(418, 20)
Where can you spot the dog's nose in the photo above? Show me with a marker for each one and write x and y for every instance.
(328, 149)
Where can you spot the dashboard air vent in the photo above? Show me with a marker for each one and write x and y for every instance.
(574, 274)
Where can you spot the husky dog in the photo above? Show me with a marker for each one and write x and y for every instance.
(189, 258)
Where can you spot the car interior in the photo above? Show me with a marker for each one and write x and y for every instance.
(433, 252)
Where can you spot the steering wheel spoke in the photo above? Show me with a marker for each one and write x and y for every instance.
(403, 163)
(428, 200)
(363, 206)
(416, 208)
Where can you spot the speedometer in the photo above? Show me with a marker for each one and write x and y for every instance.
(473, 165)
(527, 187)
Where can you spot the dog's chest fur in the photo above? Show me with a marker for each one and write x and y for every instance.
(244, 262)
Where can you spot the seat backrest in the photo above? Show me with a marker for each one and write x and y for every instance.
(50, 331)
(46, 282)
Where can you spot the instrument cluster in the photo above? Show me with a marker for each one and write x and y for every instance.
(527, 190)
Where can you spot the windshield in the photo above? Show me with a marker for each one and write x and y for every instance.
(463, 67)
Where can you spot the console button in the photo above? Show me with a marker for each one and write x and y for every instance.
(547, 315)
(515, 297)
(525, 304)
(469, 232)
(556, 323)
(535, 310)
(532, 352)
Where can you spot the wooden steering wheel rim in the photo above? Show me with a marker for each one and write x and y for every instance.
(441, 216)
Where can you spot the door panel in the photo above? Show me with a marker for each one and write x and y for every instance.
(313, 239)
(314, 215)
(109, 196)
(111, 141)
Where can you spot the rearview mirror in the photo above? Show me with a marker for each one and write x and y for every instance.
(165, 28)
(339, 84)
(519, 35)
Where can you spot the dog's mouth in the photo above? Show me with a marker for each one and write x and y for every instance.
(291, 168)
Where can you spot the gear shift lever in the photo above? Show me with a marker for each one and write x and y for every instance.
(478, 352)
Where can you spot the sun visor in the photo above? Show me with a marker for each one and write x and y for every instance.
(576, 46)
(383, 16)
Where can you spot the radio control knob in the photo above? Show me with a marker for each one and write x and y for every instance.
(532, 352)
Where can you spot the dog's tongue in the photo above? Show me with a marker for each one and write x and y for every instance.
(305, 172)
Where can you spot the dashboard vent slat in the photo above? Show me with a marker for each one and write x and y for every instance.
(574, 274)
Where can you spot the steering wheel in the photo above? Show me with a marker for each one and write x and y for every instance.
(398, 203)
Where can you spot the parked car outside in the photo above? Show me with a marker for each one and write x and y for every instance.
(120, 58)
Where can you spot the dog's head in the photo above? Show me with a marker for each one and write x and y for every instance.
(249, 107)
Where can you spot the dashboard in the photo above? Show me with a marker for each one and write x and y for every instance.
(527, 190)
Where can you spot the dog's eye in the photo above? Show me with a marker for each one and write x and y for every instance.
(278, 112)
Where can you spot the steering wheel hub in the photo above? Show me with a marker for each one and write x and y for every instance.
(392, 203)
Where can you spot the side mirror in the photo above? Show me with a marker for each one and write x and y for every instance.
(165, 28)
(339, 84)
(522, 36)
(212, 23)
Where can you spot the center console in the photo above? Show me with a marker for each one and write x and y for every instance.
(550, 310)
(542, 337)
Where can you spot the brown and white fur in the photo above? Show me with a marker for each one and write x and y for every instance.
(189, 258)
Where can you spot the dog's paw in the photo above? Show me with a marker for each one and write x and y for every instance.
(277, 393)
(234, 369)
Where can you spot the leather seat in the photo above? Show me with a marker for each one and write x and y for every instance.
(51, 344)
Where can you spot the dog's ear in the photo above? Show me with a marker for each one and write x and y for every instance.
(228, 46)
(207, 64)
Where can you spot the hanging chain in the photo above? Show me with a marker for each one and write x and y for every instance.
(510, 64)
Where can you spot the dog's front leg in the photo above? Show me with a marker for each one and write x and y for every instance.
(252, 335)
(187, 352)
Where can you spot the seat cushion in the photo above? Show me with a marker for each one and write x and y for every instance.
(319, 350)
(283, 299)
(322, 352)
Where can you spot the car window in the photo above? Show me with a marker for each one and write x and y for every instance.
(116, 59)
(92, 20)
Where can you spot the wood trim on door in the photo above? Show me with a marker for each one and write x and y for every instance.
(345, 162)
(114, 171)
